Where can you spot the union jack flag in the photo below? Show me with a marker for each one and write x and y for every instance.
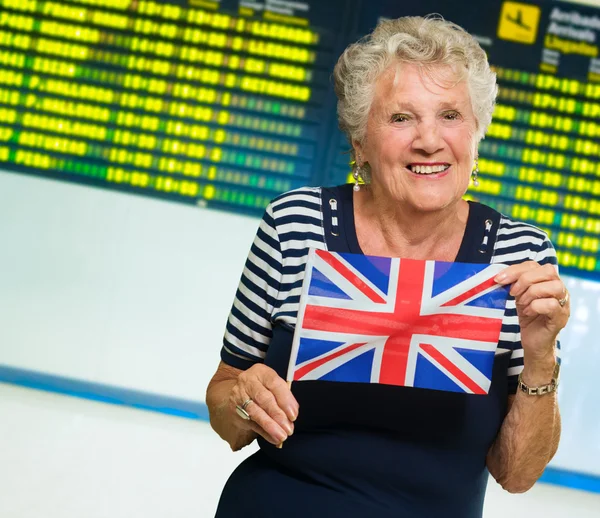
(425, 324)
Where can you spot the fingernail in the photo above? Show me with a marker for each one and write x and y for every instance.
(292, 414)
(500, 277)
(281, 437)
(288, 428)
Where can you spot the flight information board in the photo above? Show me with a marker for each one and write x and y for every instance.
(227, 103)
(540, 160)
(220, 103)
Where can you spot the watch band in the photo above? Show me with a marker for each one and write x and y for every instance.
(543, 389)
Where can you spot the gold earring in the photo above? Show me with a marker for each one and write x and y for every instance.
(475, 173)
(357, 174)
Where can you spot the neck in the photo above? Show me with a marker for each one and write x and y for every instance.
(393, 229)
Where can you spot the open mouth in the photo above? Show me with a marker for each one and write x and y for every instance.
(428, 169)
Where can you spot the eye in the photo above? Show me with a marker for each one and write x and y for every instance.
(399, 117)
(451, 115)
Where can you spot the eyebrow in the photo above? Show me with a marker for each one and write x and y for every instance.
(408, 106)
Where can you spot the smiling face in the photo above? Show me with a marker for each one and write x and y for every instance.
(419, 140)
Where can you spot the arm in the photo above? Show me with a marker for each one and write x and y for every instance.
(241, 375)
(272, 410)
(530, 433)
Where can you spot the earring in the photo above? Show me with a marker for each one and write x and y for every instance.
(356, 175)
(475, 173)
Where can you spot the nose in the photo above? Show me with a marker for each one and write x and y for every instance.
(427, 137)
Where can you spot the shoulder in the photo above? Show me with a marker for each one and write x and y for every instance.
(297, 217)
(520, 231)
(301, 199)
(517, 241)
(298, 207)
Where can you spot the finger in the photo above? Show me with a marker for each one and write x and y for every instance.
(512, 273)
(280, 388)
(548, 307)
(541, 290)
(523, 274)
(240, 395)
(267, 401)
(264, 406)
(532, 276)
(260, 431)
(282, 392)
(273, 433)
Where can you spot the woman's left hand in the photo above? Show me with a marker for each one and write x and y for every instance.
(537, 290)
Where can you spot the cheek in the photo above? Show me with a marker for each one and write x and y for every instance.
(393, 148)
(463, 153)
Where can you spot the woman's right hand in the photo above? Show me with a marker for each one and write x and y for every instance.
(272, 407)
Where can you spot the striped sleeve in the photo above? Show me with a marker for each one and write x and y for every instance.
(518, 242)
(249, 331)
(300, 226)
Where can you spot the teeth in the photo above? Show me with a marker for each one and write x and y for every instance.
(428, 169)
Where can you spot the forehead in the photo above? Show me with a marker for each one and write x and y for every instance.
(407, 83)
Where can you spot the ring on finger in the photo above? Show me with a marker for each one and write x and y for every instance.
(241, 410)
(564, 300)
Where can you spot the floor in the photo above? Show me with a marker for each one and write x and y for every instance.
(63, 457)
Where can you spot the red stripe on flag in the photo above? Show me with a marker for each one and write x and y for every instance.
(473, 291)
(339, 320)
(452, 369)
(350, 275)
(301, 372)
(409, 291)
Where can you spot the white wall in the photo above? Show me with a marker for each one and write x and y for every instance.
(134, 292)
(115, 288)
(69, 458)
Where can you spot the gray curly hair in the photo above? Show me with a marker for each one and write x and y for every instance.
(429, 42)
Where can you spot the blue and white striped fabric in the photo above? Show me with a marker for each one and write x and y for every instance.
(517, 242)
(271, 283)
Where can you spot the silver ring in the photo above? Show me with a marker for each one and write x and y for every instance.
(241, 410)
(564, 300)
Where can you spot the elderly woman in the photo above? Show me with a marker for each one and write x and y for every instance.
(415, 98)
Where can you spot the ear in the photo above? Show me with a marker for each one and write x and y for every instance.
(476, 147)
(359, 152)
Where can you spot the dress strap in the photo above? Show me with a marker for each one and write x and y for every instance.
(480, 234)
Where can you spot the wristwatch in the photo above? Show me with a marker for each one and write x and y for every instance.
(544, 389)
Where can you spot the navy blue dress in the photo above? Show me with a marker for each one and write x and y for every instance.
(362, 450)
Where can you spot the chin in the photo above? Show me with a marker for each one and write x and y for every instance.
(434, 203)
